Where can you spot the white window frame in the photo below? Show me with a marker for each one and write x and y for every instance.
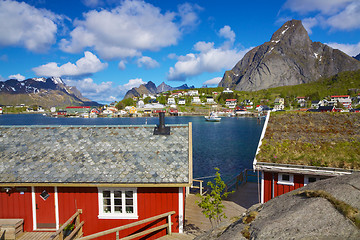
(112, 215)
(306, 179)
(283, 182)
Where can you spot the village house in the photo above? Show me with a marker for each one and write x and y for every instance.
(171, 101)
(345, 100)
(113, 175)
(227, 90)
(196, 100)
(279, 104)
(193, 93)
(1, 110)
(301, 101)
(181, 102)
(77, 110)
(287, 160)
(210, 100)
(231, 103)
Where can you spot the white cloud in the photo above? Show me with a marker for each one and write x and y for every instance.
(349, 49)
(188, 15)
(335, 14)
(347, 19)
(122, 65)
(25, 26)
(92, 3)
(327, 7)
(214, 81)
(147, 62)
(103, 92)
(226, 32)
(125, 31)
(87, 65)
(209, 59)
(17, 76)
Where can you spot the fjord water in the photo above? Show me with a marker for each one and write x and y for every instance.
(229, 145)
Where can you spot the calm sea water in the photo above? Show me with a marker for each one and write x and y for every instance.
(229, 145)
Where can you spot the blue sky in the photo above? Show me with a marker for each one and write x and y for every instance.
(106, 47)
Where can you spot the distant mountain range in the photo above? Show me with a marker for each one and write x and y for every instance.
(150, 88)
(45, 92)
(289, 58)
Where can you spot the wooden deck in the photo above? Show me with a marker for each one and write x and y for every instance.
(35, 236)
(236, 204)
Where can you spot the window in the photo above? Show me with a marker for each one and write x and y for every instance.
(309, 179)
(286, 179)
(117, 203)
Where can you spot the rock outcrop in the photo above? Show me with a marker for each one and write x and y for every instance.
(290, 58)
(296, 216)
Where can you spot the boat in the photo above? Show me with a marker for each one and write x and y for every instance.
(212, 117)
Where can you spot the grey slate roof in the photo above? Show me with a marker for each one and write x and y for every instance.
(93, 154)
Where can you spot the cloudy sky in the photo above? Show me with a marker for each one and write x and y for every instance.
(106, 47)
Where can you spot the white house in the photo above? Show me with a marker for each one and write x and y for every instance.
(345, 100)
(193, 92)
(195, 100)
(210, 100)
(171, 101)
(228, 90)
(279, 104)
(182, 102)
(53, 109)
(301, 101)
(140, 104)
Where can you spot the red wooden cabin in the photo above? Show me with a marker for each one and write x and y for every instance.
(115, 174)
(278, 178)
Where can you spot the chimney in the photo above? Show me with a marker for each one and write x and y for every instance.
(161, 129)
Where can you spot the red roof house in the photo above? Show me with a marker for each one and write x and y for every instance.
(114, 175)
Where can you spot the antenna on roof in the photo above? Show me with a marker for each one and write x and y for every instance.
(161, 129)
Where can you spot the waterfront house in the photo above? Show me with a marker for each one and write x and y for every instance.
(345, 100)
(77, 110)
(1, 110)
(299, 148)
(231, 103)
(115, 174)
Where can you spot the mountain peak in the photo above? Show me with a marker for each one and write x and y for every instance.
(292, 32)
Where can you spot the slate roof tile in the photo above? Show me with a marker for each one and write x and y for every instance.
(93, 154)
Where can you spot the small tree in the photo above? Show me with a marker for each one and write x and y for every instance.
(211, 203)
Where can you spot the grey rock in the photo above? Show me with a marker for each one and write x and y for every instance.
(290, 58)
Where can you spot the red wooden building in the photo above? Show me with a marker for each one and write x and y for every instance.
(115, 174)
(280, 176)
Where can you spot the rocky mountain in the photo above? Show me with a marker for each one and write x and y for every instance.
(289, 58)
(46, 92)
(357, 57)
(150, 88)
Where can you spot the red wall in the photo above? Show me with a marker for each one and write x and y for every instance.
(280, 189)
(16, 205)
(151, 202)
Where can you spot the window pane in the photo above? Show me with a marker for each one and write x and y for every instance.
(128, 194)
(106, 202)
(106, 194)
(285, 177)
(312, 179)
(118, 209)
(129, 210)
(107, 209)
(129, 202)
(117, 194)
(118, 202)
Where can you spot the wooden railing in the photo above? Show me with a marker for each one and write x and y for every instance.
(76, 232)
(239, 179)
(117, 229)
(200, 187)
